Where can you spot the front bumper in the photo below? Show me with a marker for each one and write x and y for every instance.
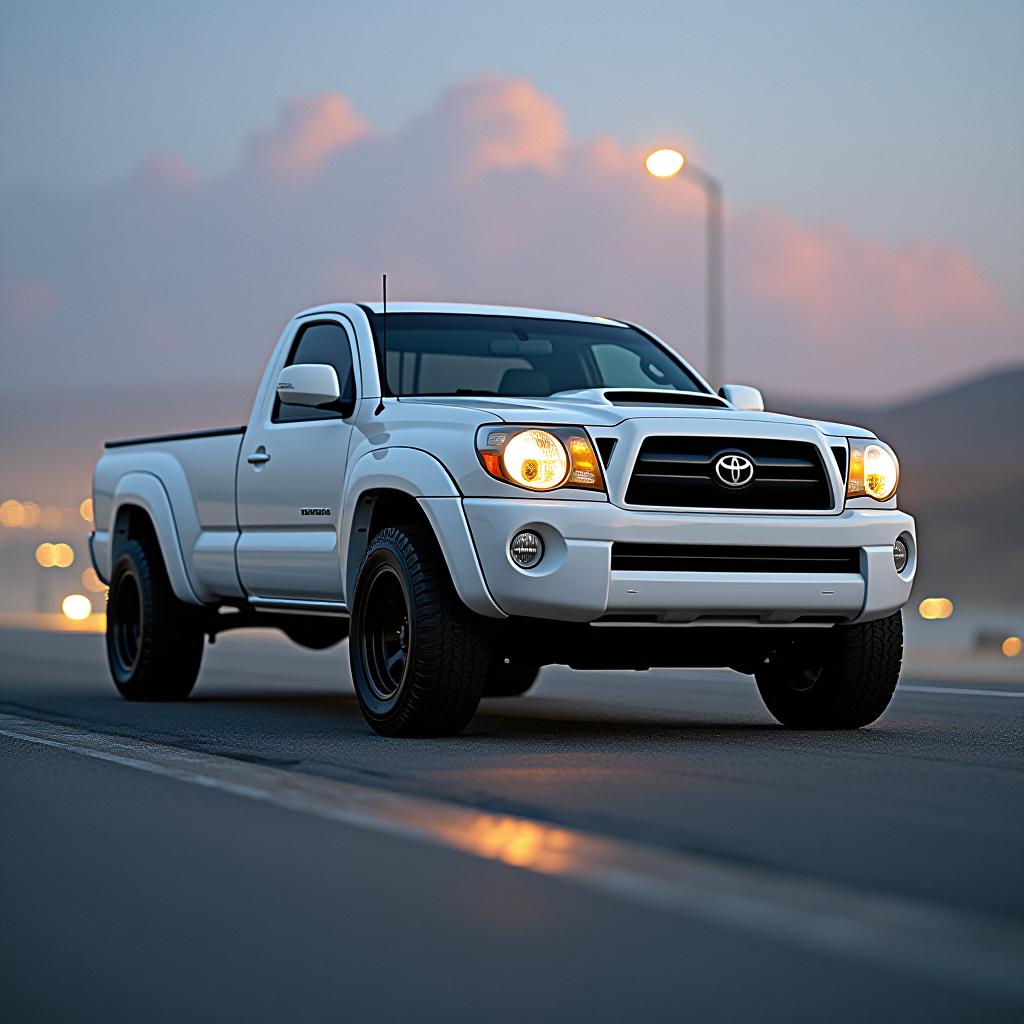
(574, 582)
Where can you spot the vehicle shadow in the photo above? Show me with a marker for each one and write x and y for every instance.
(519, 719)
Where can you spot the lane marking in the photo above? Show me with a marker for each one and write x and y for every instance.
(957, 691)
(877, 928)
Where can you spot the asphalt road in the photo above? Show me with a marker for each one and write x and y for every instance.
(617, 846)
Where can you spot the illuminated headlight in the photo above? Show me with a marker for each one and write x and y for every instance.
(540, 459)
(874, 471)
(535, 459)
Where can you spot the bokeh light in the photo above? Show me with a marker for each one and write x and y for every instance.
(92, 582)
(55, 556)
(663, 163)
(935, 608)
(85, 510)
(11, 513)
(76, 607)
(63, 555)
(1012, 646)
(30, 513)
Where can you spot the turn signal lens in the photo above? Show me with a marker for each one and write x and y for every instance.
(874, 471)
(541, 460)
(586, 470)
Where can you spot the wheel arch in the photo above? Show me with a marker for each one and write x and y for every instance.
(374, 509)
(141, 510)
(392, 486)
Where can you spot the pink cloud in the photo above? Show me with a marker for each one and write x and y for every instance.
(830, 273)
(308, 131)
(496, 124)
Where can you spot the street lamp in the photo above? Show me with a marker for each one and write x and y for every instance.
(667, 163)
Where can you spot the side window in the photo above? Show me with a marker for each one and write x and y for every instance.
(320, 343)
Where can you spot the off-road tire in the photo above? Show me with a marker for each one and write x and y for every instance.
(440, 683)
(154, 641)
(507, 677)
(844, 682)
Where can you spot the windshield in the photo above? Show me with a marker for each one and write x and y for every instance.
(460, 353)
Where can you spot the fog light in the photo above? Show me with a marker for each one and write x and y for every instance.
(526, 549)
(900, 554)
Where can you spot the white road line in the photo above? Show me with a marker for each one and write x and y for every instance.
(958, 692)
(881, 929)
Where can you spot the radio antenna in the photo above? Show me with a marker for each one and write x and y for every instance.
(383, 343)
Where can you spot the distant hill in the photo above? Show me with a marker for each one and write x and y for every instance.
(962, 458)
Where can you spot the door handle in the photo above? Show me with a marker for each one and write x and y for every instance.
(260, 455)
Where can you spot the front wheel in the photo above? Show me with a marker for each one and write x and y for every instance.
(844, 681)
(154, 641)
(419, 659)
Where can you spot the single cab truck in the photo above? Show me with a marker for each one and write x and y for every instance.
(469, 493)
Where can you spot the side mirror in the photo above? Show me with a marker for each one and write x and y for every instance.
(311, 384)
(748, 399)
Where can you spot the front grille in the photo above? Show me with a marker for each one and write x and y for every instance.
(679, 472)
(731, 558)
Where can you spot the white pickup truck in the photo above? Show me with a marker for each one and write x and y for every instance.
(471, 492)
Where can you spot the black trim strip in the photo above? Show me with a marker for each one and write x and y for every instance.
(641, 557)
(187, 436)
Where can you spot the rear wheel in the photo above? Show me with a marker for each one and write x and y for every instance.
(154, 641)
(843, 681)
(419, 658)
(508, 677)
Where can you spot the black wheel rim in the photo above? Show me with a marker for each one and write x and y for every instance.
(805, 679)
(386, 638)
(126, 611)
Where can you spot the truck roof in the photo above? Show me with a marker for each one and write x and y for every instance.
(464, 308)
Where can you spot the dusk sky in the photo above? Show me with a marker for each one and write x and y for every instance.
(177, 179)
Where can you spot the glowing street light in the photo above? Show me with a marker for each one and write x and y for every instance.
(667, 163)
(663, 163)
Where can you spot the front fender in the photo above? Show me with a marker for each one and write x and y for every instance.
(418, 474)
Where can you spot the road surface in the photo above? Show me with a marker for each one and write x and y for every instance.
(613, 846)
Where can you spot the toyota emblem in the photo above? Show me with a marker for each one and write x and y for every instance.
(734, 470)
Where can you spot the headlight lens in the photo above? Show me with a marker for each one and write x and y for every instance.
(540, 459)
(874, 471)
(535, 459)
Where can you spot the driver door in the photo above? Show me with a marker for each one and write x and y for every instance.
(290, 478)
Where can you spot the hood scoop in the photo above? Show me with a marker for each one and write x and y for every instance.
(656, 396)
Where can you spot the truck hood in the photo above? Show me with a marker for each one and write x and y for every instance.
(607, 408)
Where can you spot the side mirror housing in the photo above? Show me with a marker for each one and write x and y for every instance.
(309, 384)
(743, 397)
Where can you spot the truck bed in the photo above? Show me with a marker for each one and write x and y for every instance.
(186, 482)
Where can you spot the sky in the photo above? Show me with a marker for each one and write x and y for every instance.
(176, 179)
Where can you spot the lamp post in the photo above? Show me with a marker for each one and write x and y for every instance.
(667, 163)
